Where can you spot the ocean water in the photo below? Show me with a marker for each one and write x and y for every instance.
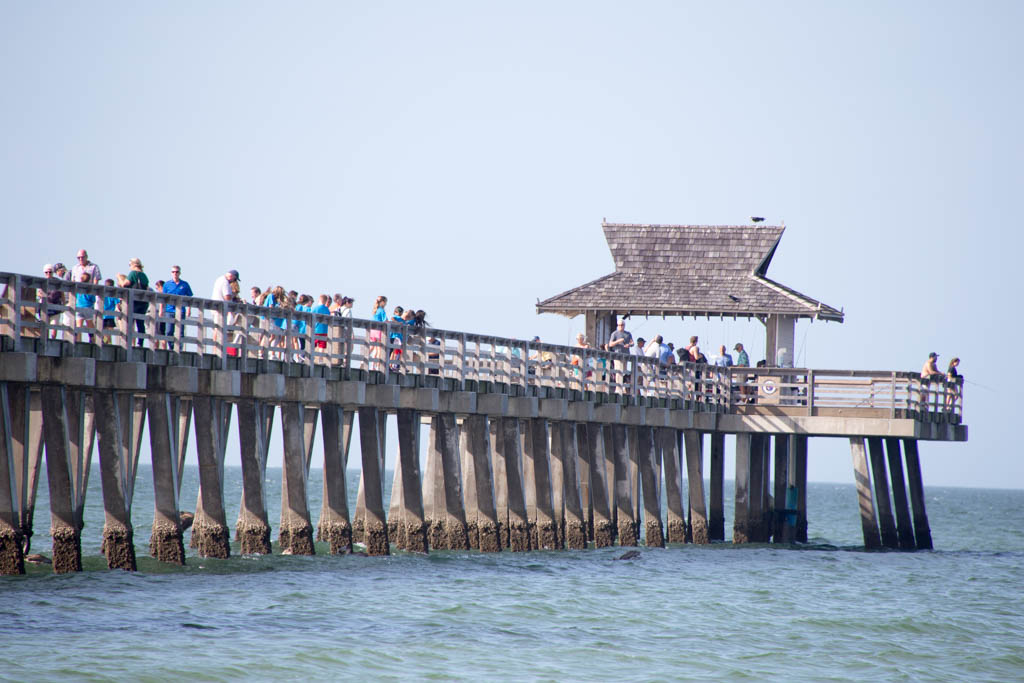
(825, 611)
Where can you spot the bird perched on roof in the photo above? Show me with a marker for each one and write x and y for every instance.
(757, 219)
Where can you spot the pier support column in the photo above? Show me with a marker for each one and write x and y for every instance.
(12, 550)
(608, 445)
(625, 506)
(296, 530)
(496, 438)
(904, 527)
(741, 524)
(668, 442)
(574, 526)
(922, 532)
(507, 454)
(695, 481)
(478, 485)
(374, 523)
(716, 512)
(445, 514)
(69, 428)
(538, 485)
(650, 480)
(27, 450)
(780, 479)
(166, 541)
(592, 447)
(255, 423)
(869, 524)
(360, 516)
(117, 475)
(335, 526)
(583, 475)
(799, 446)
(210, 534)
(886, 523)
(557, 484)
(407, 515)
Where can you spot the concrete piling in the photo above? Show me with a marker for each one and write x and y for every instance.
(117, 476)
(12, 551)
(628, 532)
(780, 482)
(335, 526)
(668, 442)
(478, 486)
(209, 529)
(574, 526)
(374, 522)
(255, 423)
(922, 532)
(608, 445)
(904, 527)
(296, 530)
(741, 525)
(716, 512)
(166, 541)
(583, 475)
(650, 485)
(593, 447)
(886, 522)
(506, 449)
(411, 529)
(442, 499)
(496, 438)
(868, 521)
(27, 449)
(799, 446)
(695, 482)
(538, 483)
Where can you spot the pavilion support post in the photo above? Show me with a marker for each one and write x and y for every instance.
(625, 509)
(166, 541)
(255, 422)
(295, 534)
(799, 446)
(886, 521)
(209, 528)
(668, 442)
(478, 484)
(117, 477)
(375, 528)
(445, 514)
(583, 474)
(695, 480)
(335, 526)
(593, 446)
(411, 527)
(741, 525)
(575, 526)
(868, 521)
(904, 527)
(716, 512)
(538, 485)
(506, 452)
(12, 549)
(650, 476)
(780, 481)
(922, 532)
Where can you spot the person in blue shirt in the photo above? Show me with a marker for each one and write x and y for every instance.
(84, 303)
(380, 314)
(300, 326)
(110, 304)
(178, 287)
(320, 329)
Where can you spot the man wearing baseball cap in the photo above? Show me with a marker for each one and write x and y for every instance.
(930, 372)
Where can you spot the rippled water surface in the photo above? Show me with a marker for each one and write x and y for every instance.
(826, 611)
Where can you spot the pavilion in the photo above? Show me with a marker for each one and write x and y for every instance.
(692, 271)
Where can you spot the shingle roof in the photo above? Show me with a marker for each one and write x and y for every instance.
(693, 270)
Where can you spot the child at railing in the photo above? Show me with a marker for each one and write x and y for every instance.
(110, 304)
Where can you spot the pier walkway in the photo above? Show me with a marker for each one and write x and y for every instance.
(531, 446)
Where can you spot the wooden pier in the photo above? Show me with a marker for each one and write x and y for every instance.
(531, 446)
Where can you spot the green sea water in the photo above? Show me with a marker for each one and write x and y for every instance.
(825, 611)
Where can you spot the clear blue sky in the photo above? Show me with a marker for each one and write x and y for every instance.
(459, 157)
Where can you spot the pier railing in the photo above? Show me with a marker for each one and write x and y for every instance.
(226, 330)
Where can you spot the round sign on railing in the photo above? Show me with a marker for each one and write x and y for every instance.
(769, 387)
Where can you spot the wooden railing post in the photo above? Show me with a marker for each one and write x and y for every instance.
(810, 392)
